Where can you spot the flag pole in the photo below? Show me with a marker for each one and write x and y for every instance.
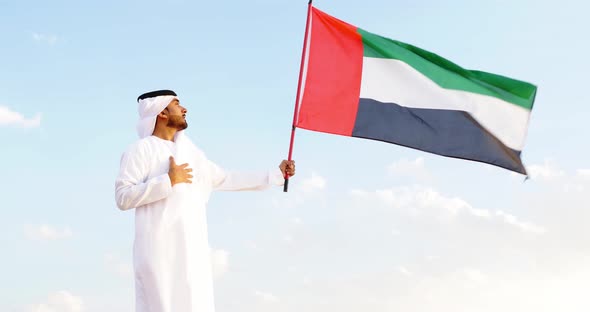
(297, 97)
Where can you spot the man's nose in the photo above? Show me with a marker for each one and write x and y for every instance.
(184, 110)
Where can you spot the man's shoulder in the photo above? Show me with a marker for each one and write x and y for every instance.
(138, 146)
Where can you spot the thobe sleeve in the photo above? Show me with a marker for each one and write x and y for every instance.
(133, 188)
(223, 180)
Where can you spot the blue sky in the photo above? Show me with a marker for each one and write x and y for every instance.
(366, 225)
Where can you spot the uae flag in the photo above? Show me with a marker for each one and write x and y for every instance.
(355, 83)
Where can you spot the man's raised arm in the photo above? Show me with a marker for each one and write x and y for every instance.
(250, 181)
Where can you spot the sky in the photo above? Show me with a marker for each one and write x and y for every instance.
(365, 226)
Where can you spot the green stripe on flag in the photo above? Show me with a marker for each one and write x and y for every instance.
(447, 74)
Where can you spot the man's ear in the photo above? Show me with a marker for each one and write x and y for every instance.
(162, 115)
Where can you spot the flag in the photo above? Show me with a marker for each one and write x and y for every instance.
(363, 85)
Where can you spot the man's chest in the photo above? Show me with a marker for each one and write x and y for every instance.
(159, 163)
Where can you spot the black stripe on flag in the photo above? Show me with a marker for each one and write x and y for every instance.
(448, 133)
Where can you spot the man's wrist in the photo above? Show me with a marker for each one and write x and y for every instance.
(170, 179)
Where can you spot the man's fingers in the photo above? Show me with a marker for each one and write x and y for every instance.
(291, 168)
(187, 179)
(189, 176)
(288, 167)
(188, 169)
(183, 166)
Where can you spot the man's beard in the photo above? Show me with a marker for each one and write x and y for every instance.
(177, 122)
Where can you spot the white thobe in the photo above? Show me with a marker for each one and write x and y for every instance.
(171, 252)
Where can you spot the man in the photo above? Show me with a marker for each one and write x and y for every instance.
(168, 180)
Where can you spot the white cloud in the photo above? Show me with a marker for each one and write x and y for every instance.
(526, 227)
(118, 266)
(12, 118)
(307, 281)
(314, 183)
(49, 39)
(474, 275)
(250, 244)
(472, 290)
(432, 258)
(46, 232)
(479, 261)
(61, 301)
(410, 168)
(358, 193)
(265, 297)
(404, 271)
(220, 262)
(526, 251)
(288, 239)
(547, 171)
(419, 201)
(297, 221)
(584, 173)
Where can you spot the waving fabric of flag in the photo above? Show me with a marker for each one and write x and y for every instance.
(363, 85)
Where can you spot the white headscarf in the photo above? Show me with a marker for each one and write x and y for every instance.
(148, 109)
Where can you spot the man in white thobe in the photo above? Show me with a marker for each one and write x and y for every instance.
(168, 181)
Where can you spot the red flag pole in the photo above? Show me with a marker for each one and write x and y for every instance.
(309, 4)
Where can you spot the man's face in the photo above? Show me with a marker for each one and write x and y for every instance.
(176, 115)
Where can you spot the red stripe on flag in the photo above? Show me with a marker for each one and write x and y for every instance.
(332, 86)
